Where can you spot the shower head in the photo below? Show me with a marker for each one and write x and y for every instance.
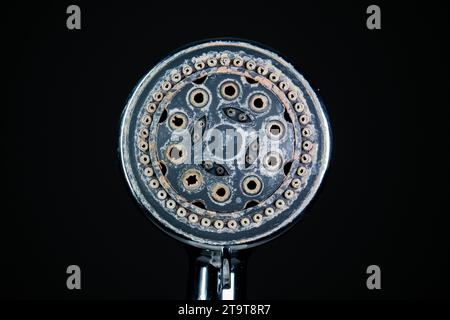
(224, 144)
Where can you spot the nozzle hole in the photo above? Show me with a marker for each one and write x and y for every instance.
(275, 129)
(258, 103)
(229, 90)
(178, 121)
(176, 154)
(220, 192)
(191, 180)
(251, 185)
(273, 161)
(198, 97)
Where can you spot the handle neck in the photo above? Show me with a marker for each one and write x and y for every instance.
(217, 274)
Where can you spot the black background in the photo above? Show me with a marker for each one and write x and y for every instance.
(64, 201)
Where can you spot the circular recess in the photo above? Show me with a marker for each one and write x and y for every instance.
(148, 172)
(181, 212)
(251, 185)
(292, 95)
(187, 70)
(143, 146)
(302, 171)
(305, 158)
(306, 132)
(220, 192)
(262, 70)
(304, 119)
(229, 90)
(279, 204)
(307, 145)
(193, 218)
(144, 159)
(146, 120)
(199, 65)
(296, 183)
(205, 222)
(144, 133)
(289, 194)
(245, 222)
(231, 112)
(199, 97)
(232, 224)
(218, 224)
(192, 179)
(175, 77)
(158, 96)
(178, 121)
(251, 65)
(238, 62)
(151, 107)
(275, 129)
(200, 123)
(166, 86)
(171, 204)
(211, 62)
(269, 211)
(257, 217)
(176, 153)
(273, 161)
(284, 85)
(242, 117)
(299, 107)
(274, 77)
(161, 194)
(154, 183)
(259, 102)
(225, 61)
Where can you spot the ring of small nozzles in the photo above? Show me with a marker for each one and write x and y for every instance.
(186, 70)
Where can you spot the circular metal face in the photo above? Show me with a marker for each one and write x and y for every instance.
(224, 144)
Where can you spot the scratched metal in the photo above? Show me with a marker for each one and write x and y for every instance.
(165, 91)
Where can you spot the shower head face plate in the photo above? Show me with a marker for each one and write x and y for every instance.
(224, 144)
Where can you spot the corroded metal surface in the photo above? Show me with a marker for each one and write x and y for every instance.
(224, 144)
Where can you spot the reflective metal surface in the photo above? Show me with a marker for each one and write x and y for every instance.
(217, 274)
